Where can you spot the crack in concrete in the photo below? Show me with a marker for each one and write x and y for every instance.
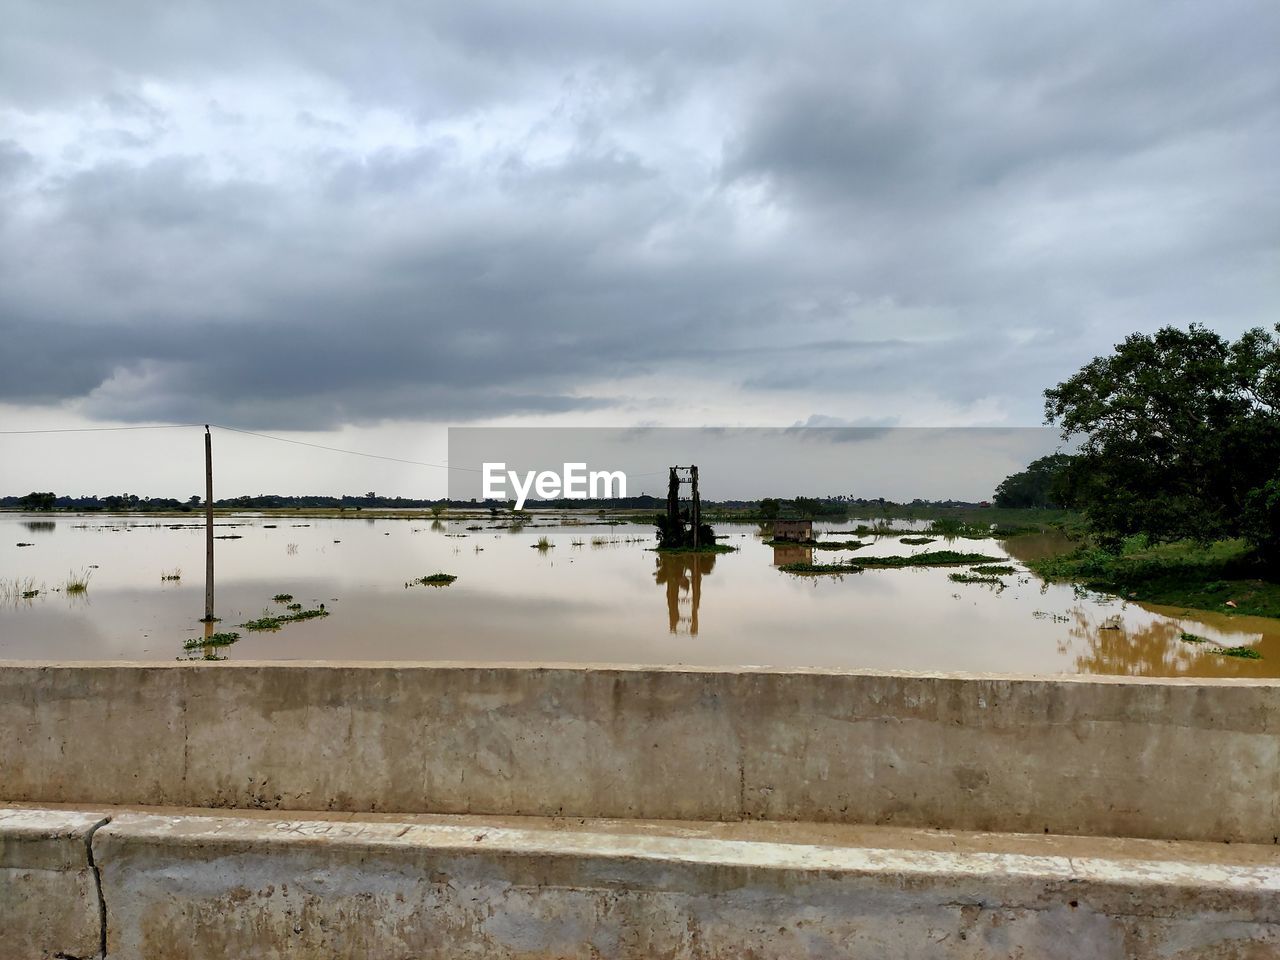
(102, 903)
(97, 886)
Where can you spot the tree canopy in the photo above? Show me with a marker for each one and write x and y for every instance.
(1042, 484)
(1180, 436)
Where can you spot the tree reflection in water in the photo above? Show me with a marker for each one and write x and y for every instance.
(681, 573)
(1155, 649)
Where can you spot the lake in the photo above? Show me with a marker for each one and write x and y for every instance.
(598, 593)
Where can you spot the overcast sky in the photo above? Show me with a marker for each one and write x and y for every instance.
(358, 223)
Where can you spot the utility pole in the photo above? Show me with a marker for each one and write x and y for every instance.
(696, 510)
(208, 526)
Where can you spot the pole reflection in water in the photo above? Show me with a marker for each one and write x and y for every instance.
(681, 573)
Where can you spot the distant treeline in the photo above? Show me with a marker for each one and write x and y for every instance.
(767, 508)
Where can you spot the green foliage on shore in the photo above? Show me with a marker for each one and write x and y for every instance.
(1223, 576)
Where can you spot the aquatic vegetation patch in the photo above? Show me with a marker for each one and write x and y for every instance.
(21, 588)
(818, 568)
(931, 558)
(995, 568)
(213, 640)
(283, 598)
(274, 621)
(1244, 653)
(975, 578)
(838, 544)
(916, 541)
(1193, 638)
(171, 575)
(705, 548)
(543, 544)
(434, 580)
(78, 582)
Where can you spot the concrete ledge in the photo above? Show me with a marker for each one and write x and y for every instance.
(48, 890)
(200, 886)
(1072, 755)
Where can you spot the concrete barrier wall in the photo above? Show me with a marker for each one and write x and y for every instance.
(49, 903)
(1101, 756)
(183, 887)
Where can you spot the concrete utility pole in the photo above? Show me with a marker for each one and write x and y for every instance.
(208, 526)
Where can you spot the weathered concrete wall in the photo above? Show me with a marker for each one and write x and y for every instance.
(1103, 756)
(48, 890)
(201, 887)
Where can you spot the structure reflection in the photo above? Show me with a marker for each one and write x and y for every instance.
(681, 574)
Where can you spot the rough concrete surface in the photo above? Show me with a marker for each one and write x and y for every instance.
(188, 887)
(1073, 755)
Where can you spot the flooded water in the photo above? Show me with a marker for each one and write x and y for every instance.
(598, 593)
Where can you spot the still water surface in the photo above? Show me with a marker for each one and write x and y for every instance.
(598, 594)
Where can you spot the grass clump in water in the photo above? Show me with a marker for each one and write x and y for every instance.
(78, 582)
(434, 580)
(174, 574)
(283, 598)
(543, 544)
(1193, 638)
(995, 568)
(916, 541)
(213, 640)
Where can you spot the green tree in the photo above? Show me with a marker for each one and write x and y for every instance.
(769, 508)
(38, 501)
(1180, 435)
(1045, 483)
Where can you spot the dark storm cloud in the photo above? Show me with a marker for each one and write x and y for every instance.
(299, 217)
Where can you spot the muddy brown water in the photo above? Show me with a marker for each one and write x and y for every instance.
(598, 594)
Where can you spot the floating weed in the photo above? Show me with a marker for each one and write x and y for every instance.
(274, 621)
(1244, 653)
(295, 607)
(283, 598)
(915, 541)
(933, 558)
(975, 578)
(816, 568)
(1054, 617)
(213, 640)
(434, 580)
(994, 568)
(543, 544)
(171, 575)
(1193, 638)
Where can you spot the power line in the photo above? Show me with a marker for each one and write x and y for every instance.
(354, 453)
(265, 436)
(152, 426)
